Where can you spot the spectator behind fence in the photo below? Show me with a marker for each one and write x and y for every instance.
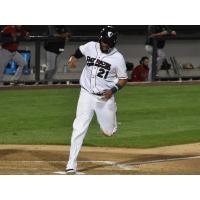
(54, 48)
(8, 52)
(157, 31)
(140, 72)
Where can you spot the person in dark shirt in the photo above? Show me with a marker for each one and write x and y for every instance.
(157, 31)
(140, 72)
(9, 49)
(54, 48)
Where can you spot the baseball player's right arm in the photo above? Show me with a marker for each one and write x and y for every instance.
(72, 62)
(79, 53)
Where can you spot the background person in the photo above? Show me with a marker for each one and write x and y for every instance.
(9, 51)
(158, 31)
(54, 48)
(140, 72)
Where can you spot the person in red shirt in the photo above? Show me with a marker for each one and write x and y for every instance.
(9, 48)
(140, 72)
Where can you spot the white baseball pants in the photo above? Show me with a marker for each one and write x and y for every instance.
(88, 104)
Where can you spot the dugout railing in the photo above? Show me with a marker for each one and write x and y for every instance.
(177, 72)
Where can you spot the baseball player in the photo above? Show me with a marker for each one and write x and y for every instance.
(103, 75)
(157, 31)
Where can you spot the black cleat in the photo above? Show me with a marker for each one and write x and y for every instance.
(70, 171)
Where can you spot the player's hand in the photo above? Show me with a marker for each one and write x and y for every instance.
(107, 94)
(72, 62)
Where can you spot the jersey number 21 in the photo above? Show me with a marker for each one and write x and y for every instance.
(103, 73)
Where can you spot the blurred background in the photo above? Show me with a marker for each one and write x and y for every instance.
(182, 52)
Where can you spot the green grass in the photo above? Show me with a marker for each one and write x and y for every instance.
(147, 116)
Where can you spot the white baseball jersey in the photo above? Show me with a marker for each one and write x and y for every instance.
(102, 71)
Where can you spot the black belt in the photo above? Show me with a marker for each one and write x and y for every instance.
(98, 94)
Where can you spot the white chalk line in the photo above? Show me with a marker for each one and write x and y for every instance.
(107, 162)
(121, 165)
(162, 160)
(125, 166)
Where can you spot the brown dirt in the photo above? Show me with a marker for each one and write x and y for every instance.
(51, 159)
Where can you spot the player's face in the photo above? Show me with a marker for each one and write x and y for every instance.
(104, 47)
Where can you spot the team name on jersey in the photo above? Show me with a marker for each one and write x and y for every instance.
(96, 62)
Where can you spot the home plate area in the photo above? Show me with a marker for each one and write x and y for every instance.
(51, 160)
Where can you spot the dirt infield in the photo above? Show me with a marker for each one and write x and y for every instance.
(51, 159)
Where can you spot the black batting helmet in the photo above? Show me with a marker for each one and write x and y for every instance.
(109, 35)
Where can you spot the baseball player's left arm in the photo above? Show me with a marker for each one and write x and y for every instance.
(107, 94)
(123, 77)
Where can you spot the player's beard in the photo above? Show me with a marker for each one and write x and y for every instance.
(105, 51)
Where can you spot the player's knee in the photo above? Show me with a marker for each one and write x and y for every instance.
(107, 134)
(108, 130)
